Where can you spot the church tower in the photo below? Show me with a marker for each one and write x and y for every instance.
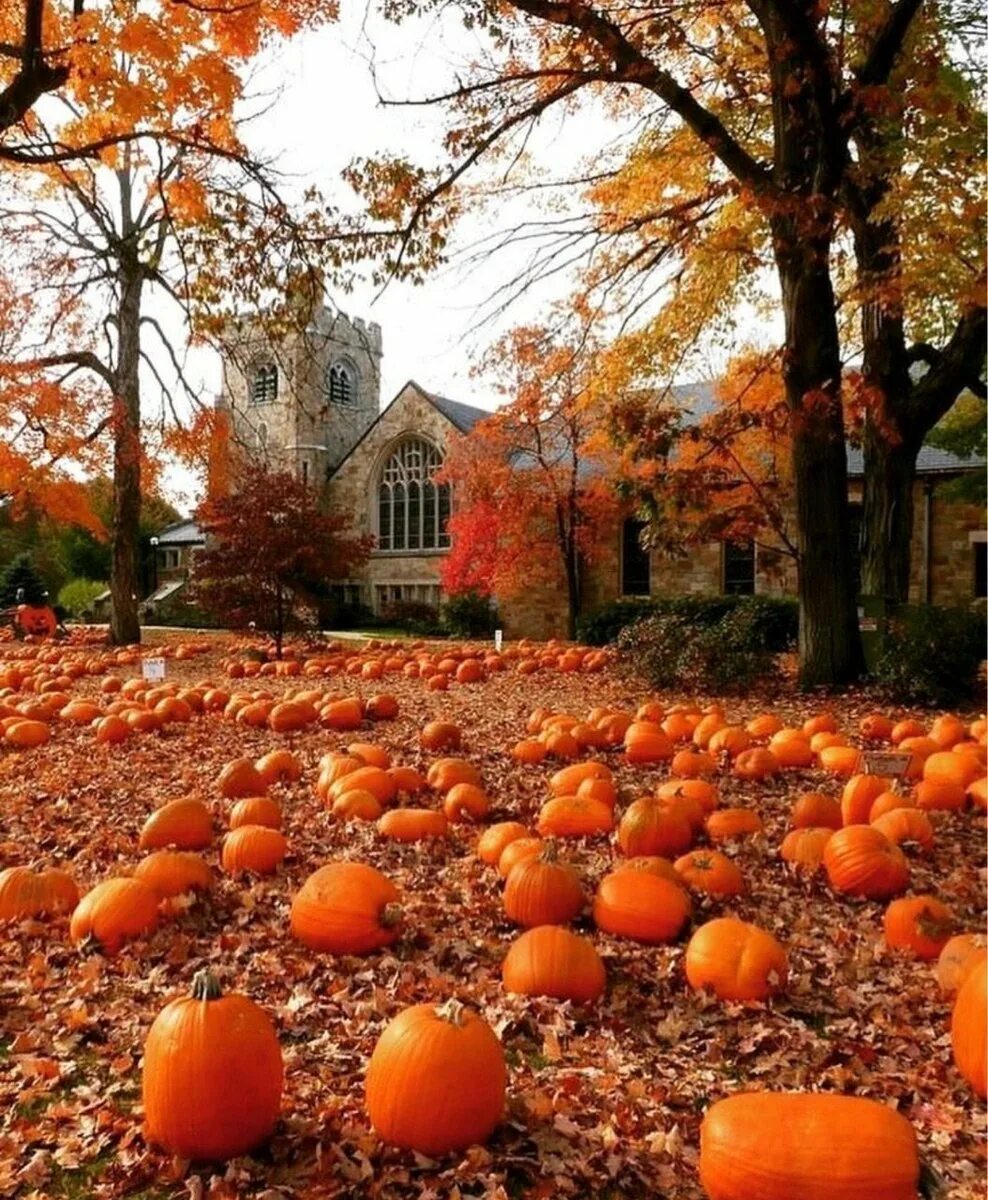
(301, 404)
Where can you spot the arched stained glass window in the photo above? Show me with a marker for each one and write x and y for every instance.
(412, 509)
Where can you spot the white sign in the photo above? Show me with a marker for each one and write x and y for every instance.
(498, 639)
(153, 668)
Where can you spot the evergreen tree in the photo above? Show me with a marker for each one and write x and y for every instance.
(21, 584)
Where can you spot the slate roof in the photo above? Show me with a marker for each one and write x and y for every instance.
(182, 533)
(463, 416)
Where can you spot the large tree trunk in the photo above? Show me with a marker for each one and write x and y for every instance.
(829, 642)
(887, 516)
(125, 527)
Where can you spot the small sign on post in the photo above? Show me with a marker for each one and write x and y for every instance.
(498, 639)
(886, 762)
(153, 668)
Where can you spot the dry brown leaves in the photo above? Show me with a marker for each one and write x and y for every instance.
(604, 1101)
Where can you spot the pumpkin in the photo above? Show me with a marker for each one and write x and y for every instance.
(255, 848)
(357, 805)
(736, 960)
(947, 730)
(652, 864)
(807, 1146)
(382, 707)
(764, 725)
(922, 924)
(446, 773)
(184, 824)
(540, 890)
(516, 851)
(407, 780)
(803, 849)
(279, 766)
(710, 872)
(961, 954)
(346, 908)
(365, 779)
(466, 802)
(567, 779)
(603, 791)
(906, 729)
(969, 1029)
(692, 764)
(213, 1074)
(840, 760)
(25, 893)
(343, 715)
(115, 910)
(644, 742)
(370, 753)
(701, 791)
(240, 778)
(756, 763)
(529, 751)
(413, 824)
(939, 795)
(551, 961)
(859, 793)
(791, 749)
(26, 734)
(493, 840)
(977, 793)
(906, 825)
(822, 723)
(640, 905)
(650, 827)
(861, 861)
(948, 767)
(174, 872)
(888, 801)
(256, 810)
(574, 816)
(436, 1080)
(814, 810)
(728, 824)
(876, 727)
(440, 735)
(111, 730)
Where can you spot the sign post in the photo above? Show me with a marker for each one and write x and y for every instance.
(153, 669)
(498, 639)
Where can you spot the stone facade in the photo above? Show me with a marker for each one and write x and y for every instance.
(304, 402)
(328, 429)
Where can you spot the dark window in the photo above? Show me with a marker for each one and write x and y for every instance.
(636, 567)
(980, 570)
(739, 569)
(444, 508)
(342, 384)
(264, 383)
(854, 513)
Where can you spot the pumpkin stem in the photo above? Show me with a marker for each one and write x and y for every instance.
(90, 944)
(391, 915)
(452, 1011)
(205, 985)
(550, 853)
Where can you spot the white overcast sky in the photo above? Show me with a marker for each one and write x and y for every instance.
(326, 112)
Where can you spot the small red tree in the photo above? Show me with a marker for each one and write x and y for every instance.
(534, 483)
(270, 552)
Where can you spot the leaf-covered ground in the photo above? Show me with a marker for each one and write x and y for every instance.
(604, 1101)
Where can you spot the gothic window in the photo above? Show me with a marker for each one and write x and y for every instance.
(412, 509)
(341, 383)
(263, 382)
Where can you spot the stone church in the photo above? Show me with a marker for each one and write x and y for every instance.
(313, 406)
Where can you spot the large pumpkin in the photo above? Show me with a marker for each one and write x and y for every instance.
(174, 872)
(640, 905)
(736, 960)
(542, 891)
(861, 861)
(255, 848)
(921, 924)
(551, 961)
(346, 908)
(651, 827)
(960, 955)
(113, 911)
(213, 1074)
(436, 1080)
(574, 816)
(807, 1146)
(969, 1029)
(184, 824)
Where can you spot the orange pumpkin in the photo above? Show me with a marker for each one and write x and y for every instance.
(494, 840)
(551, 961)
(651, 827)
(921, 924)
(574, 816)
(736, 960)
(728, 824)
(115, 910)
(860, 792)
(710, 872)
(861, 861)
(640, 905)
(256, 810)
(184, 824)
(814, 810)
(803, 849)
(540, 890)
(969, 1029)
(346, 908)
(960, 955)
(906, 825)
(255, 848)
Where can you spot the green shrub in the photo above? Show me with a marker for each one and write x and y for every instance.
(932, 655)
(771, 622)
(676, 651)
(78, 596)
(411, 616)
(468, 614)
(20, 583)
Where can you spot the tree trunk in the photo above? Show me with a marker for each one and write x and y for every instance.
(279, 622)
(829, 642)
(574, 599)
(125, 526)
(887, 516)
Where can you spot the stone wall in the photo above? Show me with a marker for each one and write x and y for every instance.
(351, 493)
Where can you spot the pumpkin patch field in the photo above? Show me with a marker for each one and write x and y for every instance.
(421, 921)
